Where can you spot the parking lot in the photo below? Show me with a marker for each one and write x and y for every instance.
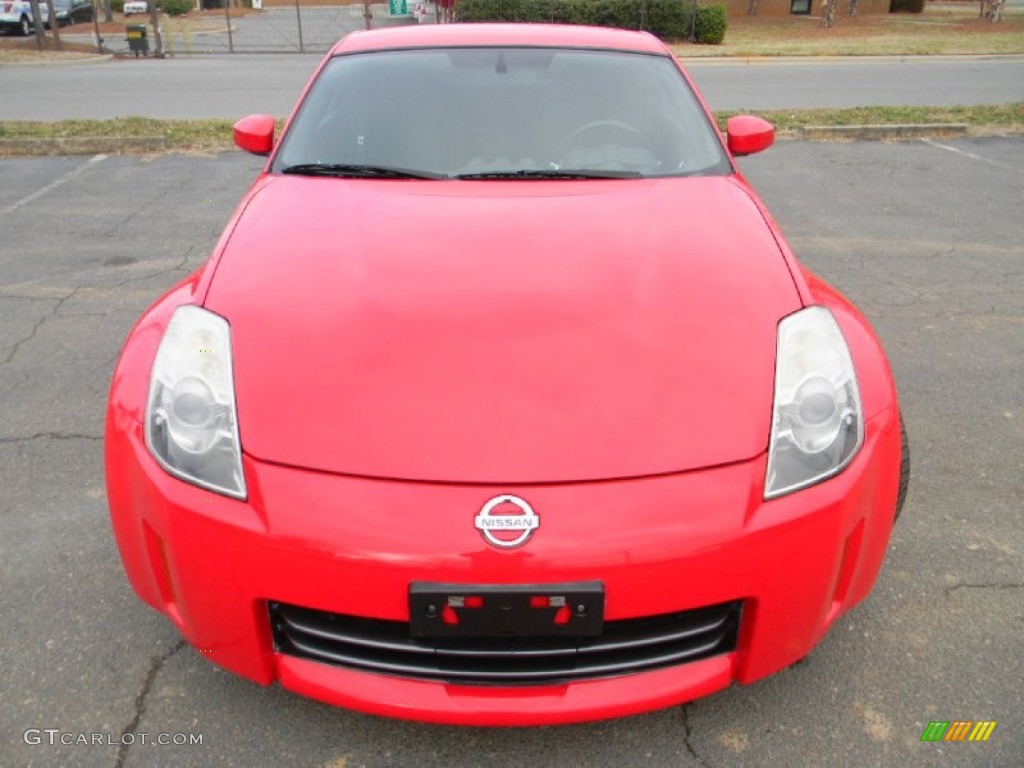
(924, 236)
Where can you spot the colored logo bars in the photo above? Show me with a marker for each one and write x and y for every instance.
(958, 730)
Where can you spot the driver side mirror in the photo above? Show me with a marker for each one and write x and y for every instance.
(748, 134)
(255, 134)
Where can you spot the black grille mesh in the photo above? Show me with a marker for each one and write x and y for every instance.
(386, 647)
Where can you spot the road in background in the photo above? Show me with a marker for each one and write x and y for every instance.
(233, 86)
(925, 237)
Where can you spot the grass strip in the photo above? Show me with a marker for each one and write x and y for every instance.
(215, 135)
(179, 135)
(994, 117)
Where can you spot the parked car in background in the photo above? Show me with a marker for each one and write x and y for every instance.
(136, 6)
(16, 17)
(72, 11)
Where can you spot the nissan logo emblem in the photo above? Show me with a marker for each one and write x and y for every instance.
(507, 521)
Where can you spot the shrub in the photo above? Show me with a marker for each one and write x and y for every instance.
(711, 24)
(176, 7)
(906, 6)
(668, 19)
(614, 13)
(117, 6)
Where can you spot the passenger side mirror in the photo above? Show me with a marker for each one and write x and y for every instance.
(748, 134)
(255, 134)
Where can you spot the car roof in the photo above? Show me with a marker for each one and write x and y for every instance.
(459, 35)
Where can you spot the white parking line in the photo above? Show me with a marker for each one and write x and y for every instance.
(52, 185)
(971, 155)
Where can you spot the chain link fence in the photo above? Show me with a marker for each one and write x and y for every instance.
(313, 26)
(278, 26)
(267, 26)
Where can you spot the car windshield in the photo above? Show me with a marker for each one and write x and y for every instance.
(485, 113)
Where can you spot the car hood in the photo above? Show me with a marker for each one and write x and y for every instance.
(503, 332)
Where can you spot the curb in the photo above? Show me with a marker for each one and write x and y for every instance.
(883, 132)
(85, 145)
(72, 62)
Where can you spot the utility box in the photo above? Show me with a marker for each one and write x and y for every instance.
(138, 43)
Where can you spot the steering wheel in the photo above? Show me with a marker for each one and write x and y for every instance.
(635, 138)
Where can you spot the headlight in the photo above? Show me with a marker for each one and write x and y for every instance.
(817, 419)
(191, 422)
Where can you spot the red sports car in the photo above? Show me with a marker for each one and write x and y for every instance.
(502, 400)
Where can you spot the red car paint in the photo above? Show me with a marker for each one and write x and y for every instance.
(404, 352)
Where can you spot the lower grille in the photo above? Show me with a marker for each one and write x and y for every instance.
(624, 647)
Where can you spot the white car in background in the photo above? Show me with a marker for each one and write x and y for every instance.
(136, 6)
(16, 16)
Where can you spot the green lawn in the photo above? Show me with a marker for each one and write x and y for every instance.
(941, 29)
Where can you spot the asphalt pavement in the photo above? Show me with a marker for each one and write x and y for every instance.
(231, 86)
(925, 236)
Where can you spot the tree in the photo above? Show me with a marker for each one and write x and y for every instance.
(851, 7)
(154, 19)
(992, 10)
(828, 13)
(96, 28)
(37, 24)
(108, 11)
(54, 25)
(752, 8)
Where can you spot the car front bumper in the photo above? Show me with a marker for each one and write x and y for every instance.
(353, 546)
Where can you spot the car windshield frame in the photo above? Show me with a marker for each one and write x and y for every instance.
(501, 112)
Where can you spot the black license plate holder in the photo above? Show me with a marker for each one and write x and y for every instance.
(574, 609)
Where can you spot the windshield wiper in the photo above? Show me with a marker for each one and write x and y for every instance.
(350, 170)
(560, 173)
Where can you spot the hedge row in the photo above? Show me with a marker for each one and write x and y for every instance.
(668, 19)
(712, 22)
(176, 7)
(906, 6)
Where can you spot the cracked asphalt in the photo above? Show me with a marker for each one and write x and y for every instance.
(924, 236)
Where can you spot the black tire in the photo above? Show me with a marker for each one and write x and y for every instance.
(901, 497)
(24, 28)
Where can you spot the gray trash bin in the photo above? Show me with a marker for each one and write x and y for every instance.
(138, 43)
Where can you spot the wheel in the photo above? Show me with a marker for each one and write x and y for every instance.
(901, 496)
(24, 28)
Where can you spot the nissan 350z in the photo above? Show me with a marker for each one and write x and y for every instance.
(502, 399)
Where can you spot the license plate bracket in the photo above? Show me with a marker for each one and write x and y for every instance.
(574, 609)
